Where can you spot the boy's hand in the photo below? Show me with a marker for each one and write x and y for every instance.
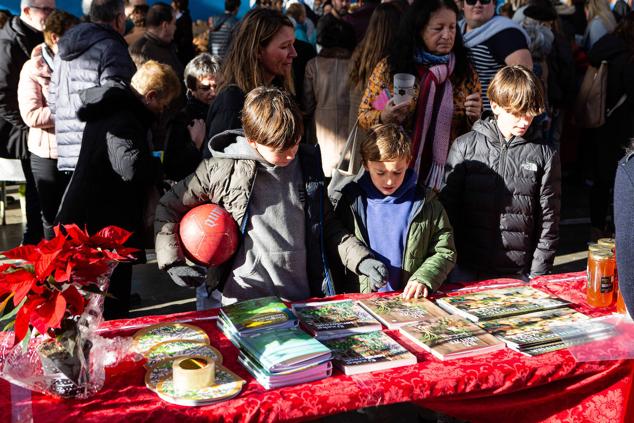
(376, 271)
(187, 276)
(415, 289)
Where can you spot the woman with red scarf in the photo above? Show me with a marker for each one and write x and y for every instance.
(446, 99)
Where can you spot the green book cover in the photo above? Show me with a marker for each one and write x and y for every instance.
(284, 349)
(259, 313)
(451, 337)
(497, 303)
(393, 311)
(368, 352)
(329, 319)
(531, 329)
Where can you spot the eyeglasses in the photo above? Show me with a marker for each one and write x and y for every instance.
(43, 9)
(473, 2)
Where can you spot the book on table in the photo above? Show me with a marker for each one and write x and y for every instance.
(498, 303)
(272, 380)
(368, 352)
(527, 331)
(254, 315)
(394, 312)
(451, 337)
(284, 350)
(333, 319)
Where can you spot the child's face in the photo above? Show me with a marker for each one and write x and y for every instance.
(387, 177)
(510, 124)
(275, 157)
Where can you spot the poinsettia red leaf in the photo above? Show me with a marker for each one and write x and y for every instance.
(54, 245)
(75, 300)
(19, 282)
(63, 274)
(114, 234)
(23, 252)
(49, 313)
(45, 264)
(22, 320)
(6, 266)
(21, 289)
(76, 234)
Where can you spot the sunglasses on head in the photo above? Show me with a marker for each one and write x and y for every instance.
(473, 2)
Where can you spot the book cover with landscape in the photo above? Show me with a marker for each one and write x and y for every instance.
(368, 352)
(259, 313)
(394, 312)
(451, 337)
(532, 329)
(332, 319)
(497, 303)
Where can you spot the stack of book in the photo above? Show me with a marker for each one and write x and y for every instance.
(520, 316)
(272, 348)
(353, 335)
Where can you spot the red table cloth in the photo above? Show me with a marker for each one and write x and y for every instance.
(501, 387)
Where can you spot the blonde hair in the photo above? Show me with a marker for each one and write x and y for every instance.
(242, 66)
(158, 77)
(517, 90)
(601, 9)
(270, 117)
(386, 143)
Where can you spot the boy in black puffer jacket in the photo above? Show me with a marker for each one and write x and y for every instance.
(503, 186)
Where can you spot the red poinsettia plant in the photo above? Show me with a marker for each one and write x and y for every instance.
(53, 279)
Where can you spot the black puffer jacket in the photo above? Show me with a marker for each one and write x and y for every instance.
(503, 201)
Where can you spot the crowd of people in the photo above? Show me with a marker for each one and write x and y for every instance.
(133, 114)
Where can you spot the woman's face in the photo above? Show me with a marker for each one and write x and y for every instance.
(277, 57)
(439, 34)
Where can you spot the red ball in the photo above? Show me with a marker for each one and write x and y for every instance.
(209, 235)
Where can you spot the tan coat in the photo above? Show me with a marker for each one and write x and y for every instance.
(326, 98)
(33, 101)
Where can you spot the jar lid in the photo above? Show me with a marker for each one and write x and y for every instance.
(608, 242)
(602, 254)
(597, 247)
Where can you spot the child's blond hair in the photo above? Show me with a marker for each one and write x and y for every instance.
(386, 143)
(158, 77)
(270, 117)
(517, 90)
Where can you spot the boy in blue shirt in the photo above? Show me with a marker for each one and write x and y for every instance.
(402, 222)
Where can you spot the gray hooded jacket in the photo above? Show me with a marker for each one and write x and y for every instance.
(90, 55)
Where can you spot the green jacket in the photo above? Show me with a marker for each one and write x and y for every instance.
(429, 253)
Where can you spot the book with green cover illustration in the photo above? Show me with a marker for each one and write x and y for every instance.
(368, 352)
(527, 330)
(332, 319)
(497, 303)
(451, 337)
(256, 314)
(276, 380)
(393, 311)
(280, 350)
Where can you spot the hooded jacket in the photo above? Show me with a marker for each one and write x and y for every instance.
(503, 199)
(429, 253)
(17, 40)
(33, 97)
(115, 168)
(228, 181)
(90, 55)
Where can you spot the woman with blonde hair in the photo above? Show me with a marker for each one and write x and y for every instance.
(116, 172)
(261, 53)
(600, 19)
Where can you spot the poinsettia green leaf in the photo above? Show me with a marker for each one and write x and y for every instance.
(4, 303)
(10, 315)
(25, 342)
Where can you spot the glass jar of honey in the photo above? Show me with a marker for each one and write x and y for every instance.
(601, 264)
(607, 242)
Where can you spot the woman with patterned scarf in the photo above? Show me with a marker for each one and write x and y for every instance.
(446, 99)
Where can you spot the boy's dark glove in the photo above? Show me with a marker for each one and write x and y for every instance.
(187, 276)
(376, 271)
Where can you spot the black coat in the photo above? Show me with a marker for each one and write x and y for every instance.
(224, 113)
(184, 38)
(503, 201)
(17, 40)
(115, 171)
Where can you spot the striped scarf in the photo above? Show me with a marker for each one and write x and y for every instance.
(435, 113)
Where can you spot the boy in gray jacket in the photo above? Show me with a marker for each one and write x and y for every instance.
(274, 189)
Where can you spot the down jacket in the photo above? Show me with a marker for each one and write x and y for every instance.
(228, 183)
(503, 201)
(90, 55)
(429, 253)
